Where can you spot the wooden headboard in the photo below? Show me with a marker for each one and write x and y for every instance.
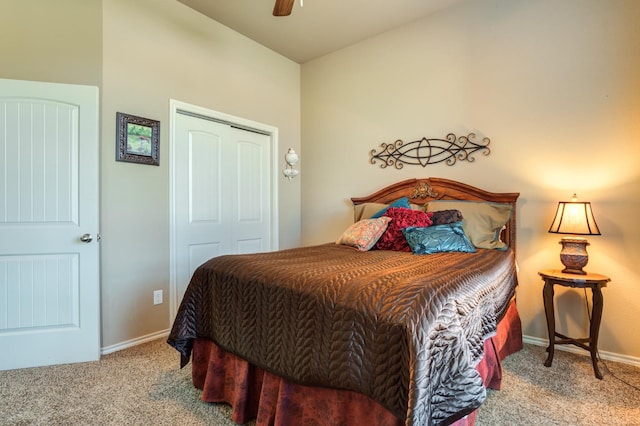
(421, 191)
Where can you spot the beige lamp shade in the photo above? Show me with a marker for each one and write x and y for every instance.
(574, 217)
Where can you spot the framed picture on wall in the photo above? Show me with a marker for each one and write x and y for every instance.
(138, 139)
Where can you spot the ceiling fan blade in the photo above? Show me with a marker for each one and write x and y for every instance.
(283, 7)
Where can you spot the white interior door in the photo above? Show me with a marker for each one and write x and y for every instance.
(49, 278)
(222, 193)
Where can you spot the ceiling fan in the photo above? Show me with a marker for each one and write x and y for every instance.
(283, 7)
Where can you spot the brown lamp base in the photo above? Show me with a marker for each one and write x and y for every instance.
(574, 271)
(574, 255)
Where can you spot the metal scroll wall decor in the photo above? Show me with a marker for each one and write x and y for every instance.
(430, 151)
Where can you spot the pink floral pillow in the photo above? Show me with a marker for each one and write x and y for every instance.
(401, 218)
(364, 233)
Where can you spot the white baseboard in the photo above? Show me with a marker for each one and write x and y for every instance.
(134, 342)
(610, 356)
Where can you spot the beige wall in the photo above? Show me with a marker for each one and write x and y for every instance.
(141, 54)
(553, 84)
(57, 41)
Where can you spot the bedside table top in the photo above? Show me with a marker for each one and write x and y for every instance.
(588, 278)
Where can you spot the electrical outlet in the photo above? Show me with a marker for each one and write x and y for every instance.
(157, 297)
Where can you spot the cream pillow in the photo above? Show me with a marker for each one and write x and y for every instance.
(366, 210)
(482, 221)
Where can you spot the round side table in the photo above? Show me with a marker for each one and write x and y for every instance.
(593, 281)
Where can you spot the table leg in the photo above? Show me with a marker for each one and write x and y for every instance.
(596, 317)
(547, 295)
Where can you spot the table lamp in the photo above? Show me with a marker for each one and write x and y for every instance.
(575, 218)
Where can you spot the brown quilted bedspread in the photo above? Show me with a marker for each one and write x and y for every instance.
(406, 330)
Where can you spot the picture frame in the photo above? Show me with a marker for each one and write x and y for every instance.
(138, 139)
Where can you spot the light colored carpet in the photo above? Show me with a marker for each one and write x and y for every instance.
(567, 393)
(143, 385)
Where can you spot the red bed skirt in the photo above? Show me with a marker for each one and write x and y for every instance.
(271, 400)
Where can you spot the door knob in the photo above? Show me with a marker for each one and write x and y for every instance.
(86, 238)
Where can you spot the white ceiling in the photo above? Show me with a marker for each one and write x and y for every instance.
(319, 26)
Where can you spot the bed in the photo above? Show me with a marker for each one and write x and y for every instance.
(409, 332)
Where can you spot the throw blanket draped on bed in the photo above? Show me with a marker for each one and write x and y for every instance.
(406, 330)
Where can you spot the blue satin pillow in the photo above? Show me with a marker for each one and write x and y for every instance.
(400, 202)
(438, 239)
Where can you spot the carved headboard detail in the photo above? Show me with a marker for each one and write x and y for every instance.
(422, 190)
